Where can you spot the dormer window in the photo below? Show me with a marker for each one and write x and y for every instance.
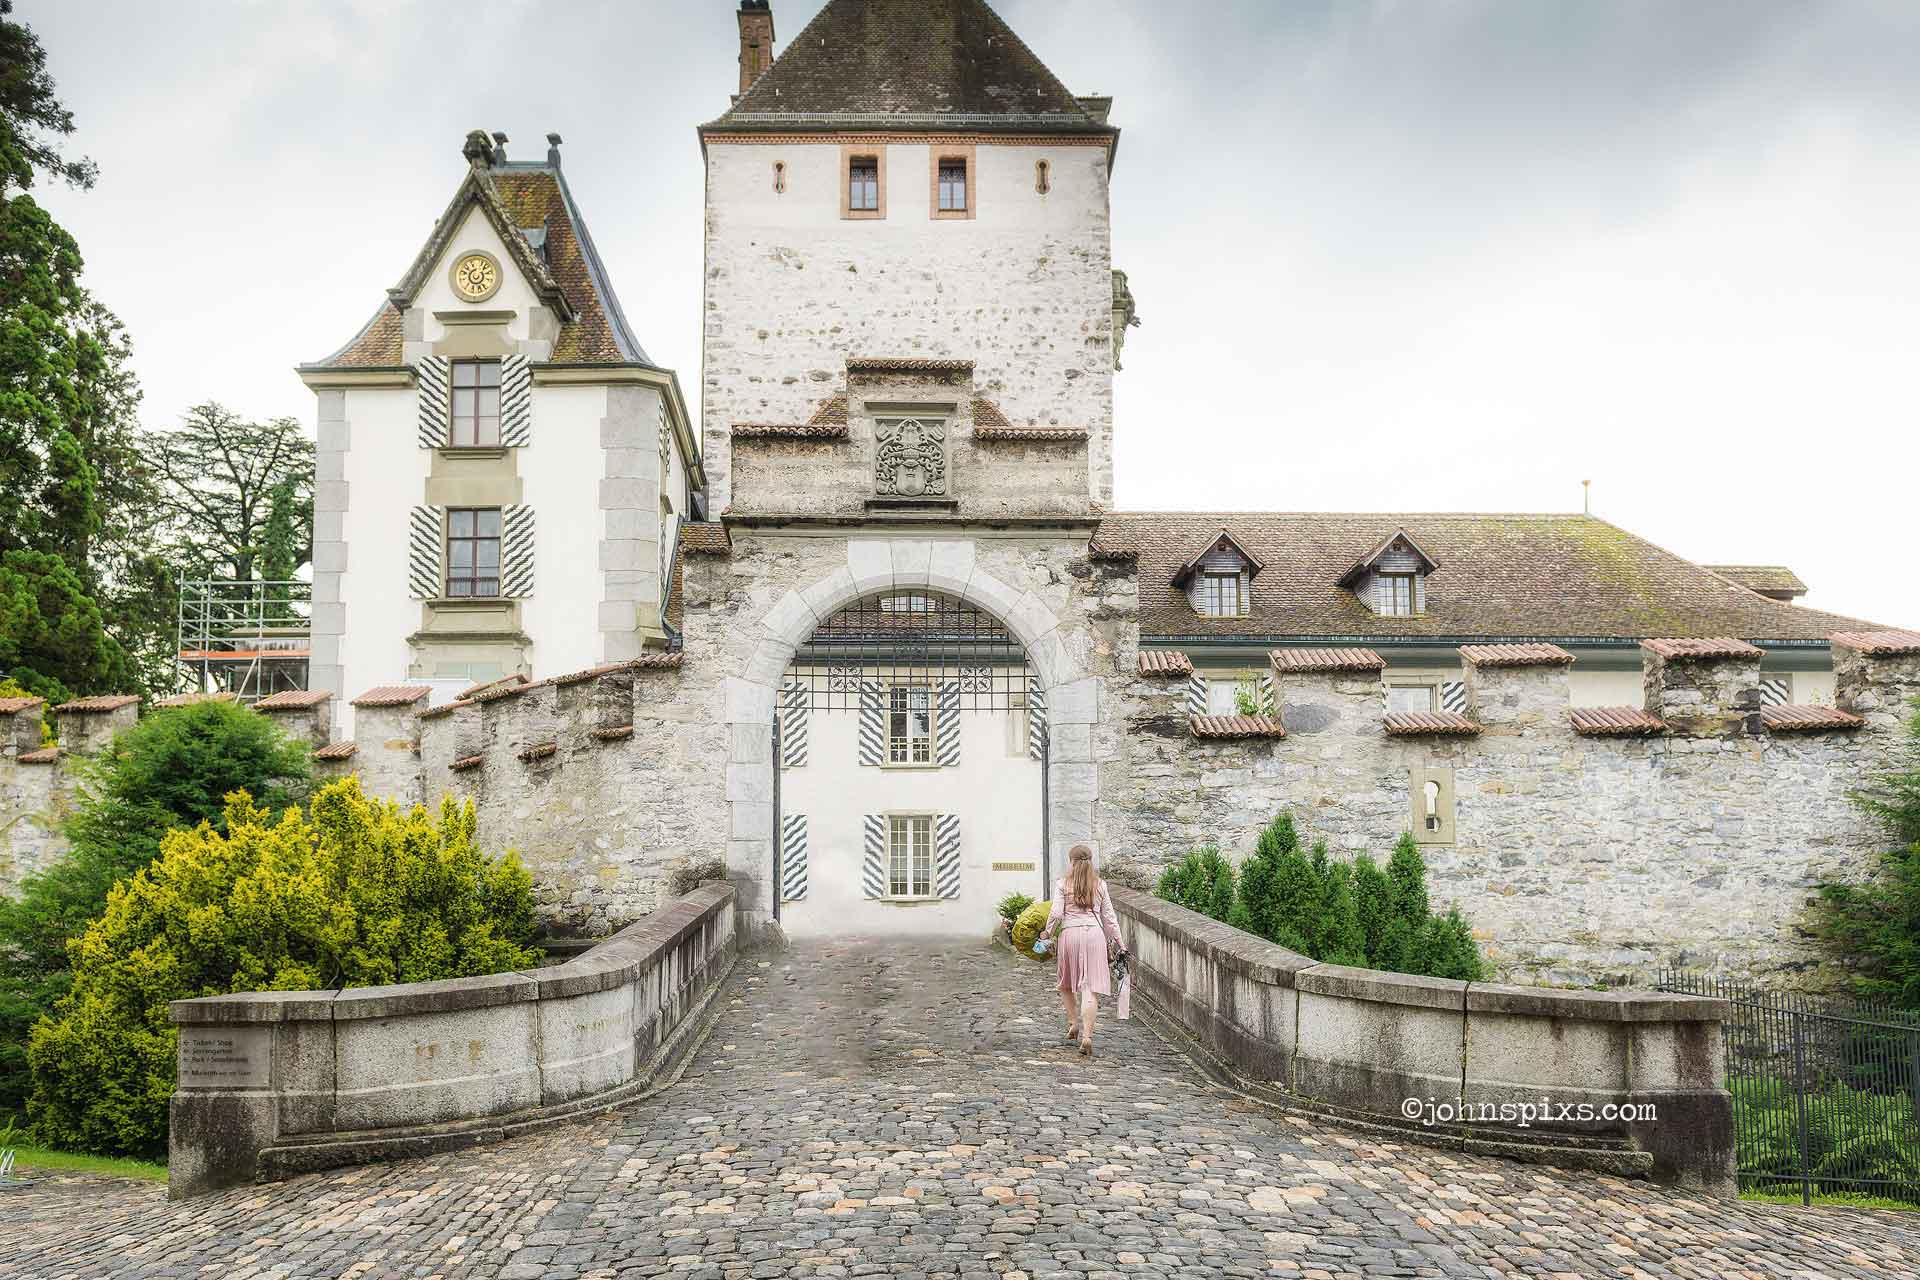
(1219, 580)
(1391, 578)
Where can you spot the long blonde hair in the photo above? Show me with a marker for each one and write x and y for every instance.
(1082, 884)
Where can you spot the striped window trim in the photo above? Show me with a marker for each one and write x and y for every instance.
(793, 724)
(433, 390)
(1036, 718)
(939, 838)
(516, 402)
(793, 857)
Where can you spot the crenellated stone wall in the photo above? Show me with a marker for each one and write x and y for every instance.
(37, 783)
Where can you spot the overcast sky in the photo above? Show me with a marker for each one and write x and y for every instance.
(1408, 255)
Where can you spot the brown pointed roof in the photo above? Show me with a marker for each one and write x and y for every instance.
(910, 64)
(516, 197)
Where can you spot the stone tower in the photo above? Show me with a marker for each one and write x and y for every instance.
(906, 181)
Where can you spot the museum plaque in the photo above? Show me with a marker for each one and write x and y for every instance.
(225, 1057)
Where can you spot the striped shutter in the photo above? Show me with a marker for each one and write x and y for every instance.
(516, 402)
(1453, 696)
(1196, 695)
(1269, 695)
(516, 552)
(1036, 718)
(426, 545)
(793, 857)
(946, 725)
(946, 855)
(873, 859)
(433, 380)
(1775, 691)
(873, 728)
(793, 724)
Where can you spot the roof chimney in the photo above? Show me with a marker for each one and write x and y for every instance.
(499, 148)
(553, 150)
(756, 40)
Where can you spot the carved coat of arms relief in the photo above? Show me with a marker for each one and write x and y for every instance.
(910, 458)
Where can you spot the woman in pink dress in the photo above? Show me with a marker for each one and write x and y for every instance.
(1084, 923)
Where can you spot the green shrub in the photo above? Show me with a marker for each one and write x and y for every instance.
(171, 770)
(1028, 924)
(1857, 1140)
(1012, 905)
(1873, 929)
(1340, 939)
(1373, 904)
(353, 893)
(1202, 881)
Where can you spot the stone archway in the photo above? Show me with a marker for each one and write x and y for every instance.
(876, 565)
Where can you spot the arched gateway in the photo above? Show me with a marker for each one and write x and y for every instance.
(913, 702)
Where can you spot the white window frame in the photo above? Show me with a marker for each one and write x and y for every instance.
(910, 856)
(911, 750)
(1212, 602)
(1431, 689)
(1390, 605)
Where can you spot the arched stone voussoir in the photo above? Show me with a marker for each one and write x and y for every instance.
(791, 620)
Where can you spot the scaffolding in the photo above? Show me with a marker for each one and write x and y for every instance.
(247, 639)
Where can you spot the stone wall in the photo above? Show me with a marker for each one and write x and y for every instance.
(276, 1083)
(38, 784)
(1362, 1045)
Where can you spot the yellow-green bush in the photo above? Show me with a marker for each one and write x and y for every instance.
(1029, 925)
(356, 893)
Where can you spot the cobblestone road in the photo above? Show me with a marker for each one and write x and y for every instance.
(859, 1111)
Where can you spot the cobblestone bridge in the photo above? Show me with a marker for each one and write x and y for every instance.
(859, 1110)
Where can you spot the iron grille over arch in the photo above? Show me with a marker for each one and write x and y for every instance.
(910, 637)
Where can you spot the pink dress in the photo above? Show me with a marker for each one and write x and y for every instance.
(1083, 935)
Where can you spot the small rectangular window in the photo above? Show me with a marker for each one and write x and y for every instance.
(476, 403)
(1223, 697)
(1418, 698)
(953, 186)
(863, 184)
(1396, 595)
(910, 856)
(473, 551)
(1221, 596)
(910, 725)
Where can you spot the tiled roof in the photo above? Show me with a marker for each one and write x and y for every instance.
(1767, 579)
(10, 705)
(1615, 722)
(1097, 550)
(444, 709)
(1807, 719)
(705, 539)
(1403, 724)
(1164, 662)
(517, 195)
(1237, 727)
(465, 763)
(591, 673)
(1679, 649)
(45, 755)
(908, 64)
(991, 424)
(1514, 655)
(496, 691)
(907, 364)
(471, 690)
(193, 699)
(392, 695)
(1293, 660)
(336, 751)
(1505, 577)
(614, 733)
(1879, 643)
(98, 704)
(538, 751)
(657, 662)
(829, 422)
(291, 699)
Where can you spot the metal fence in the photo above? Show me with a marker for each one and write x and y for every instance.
(1826, 1092)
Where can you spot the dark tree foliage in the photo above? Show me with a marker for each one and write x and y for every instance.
(1873, 929)
(31, 118)
(53, 641)
(173, 769)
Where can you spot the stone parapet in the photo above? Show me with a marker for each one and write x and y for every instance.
(1703, 688)
(301, 713)
(1517, 690)
(87, 725)
(276, 1083)
(1876, 676)
(1643, 1074)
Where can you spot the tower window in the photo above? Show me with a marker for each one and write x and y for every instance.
(476, 403)
(953, 186)
(473, 551)
(863, 184)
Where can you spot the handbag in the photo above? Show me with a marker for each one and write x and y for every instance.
(1123, 979)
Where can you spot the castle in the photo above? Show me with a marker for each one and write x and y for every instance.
(874, 634)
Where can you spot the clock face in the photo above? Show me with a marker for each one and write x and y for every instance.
(475, 277)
